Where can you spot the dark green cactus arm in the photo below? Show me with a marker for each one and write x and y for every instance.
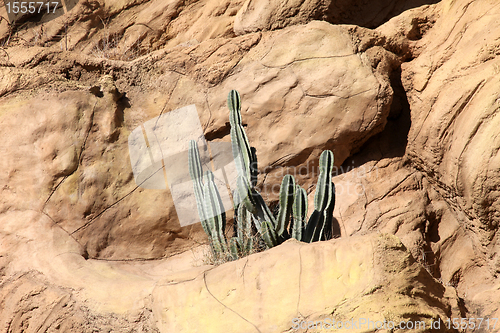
(244, 230)
(214, 213)
(299, 213)
(242, 219)
(234, 105)
(245, 226)
(241, 151)
(314, 227)
(195, 169)
(324, 201)
(248, 247)
(287, 191)
(319, 226)
(263, 211)
(327, 232)
(324, 180)
(256, 221)
(269, 234)
(254, 171)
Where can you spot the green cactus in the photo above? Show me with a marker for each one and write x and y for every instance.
(244, 156)
(320, 223)
(243, 230)
(214, 214)
(210, 208)
(233, 248)
(196, 173)
(287, 191)
(321, 198)
(249, 206)
(269, 234)
(290, 221)
(244, 225)
(299, 210)
(245, 194)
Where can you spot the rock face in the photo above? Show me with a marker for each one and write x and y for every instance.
(409, 109)
(52, 287)
(454, 135)
(296, 283)
(85, 181)
(260, 15)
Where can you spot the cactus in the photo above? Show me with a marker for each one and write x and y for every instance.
(196, 173)
(290, 221)
(210, 208)
(246, 195)
(233, 247)
(269, 234)
(299, 210)
(214, 213)
(321, 198)
(320, 223)
(244, 225)
(287, 191)
(243, 230)
(249, 206)
(244, 156)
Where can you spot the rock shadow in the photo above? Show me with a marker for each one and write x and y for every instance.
(368, 14)
(392, 141)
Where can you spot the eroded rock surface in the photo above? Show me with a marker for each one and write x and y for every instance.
(260, 15)
(47, 284)
(84, 178)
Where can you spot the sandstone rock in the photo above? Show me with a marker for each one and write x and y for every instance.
(84, 177)
(276, 290)
(75, 168)
(452, 88)
(137, 28)
(261, 15)
(47, 284)
(48, 275)
(463, 113)
(282, 104)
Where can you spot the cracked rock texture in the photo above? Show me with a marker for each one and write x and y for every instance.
(403, 92)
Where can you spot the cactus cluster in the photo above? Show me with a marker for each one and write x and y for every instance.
(253, 218)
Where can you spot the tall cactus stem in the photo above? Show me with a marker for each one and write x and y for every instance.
(287, 191)
(299, 211)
